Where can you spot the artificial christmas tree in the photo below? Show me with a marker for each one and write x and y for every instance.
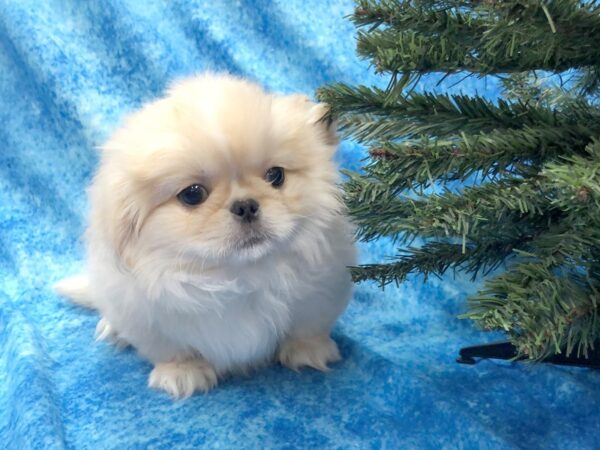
(528, 207)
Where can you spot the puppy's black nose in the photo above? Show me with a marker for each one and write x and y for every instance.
(245, 210)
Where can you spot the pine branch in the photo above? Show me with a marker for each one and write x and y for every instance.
(563, 244)
(431, 15)
(577, 180)
(371, 114)
(435, 258)
(495, 37)
(543, 312)
(415, 164)
(443, 215)
(566, 193)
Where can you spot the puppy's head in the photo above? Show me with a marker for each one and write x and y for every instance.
(218, 170)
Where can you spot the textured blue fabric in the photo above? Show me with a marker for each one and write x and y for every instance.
(69, 70)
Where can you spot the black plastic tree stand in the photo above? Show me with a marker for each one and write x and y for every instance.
(505, 350)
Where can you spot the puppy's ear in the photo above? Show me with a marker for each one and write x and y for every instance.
(120, 211)
(126, 225)
(320, 116)
(316, 115)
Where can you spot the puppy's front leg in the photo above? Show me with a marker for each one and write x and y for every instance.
(315, 351)
(182, 377)
(308, 342)
(176, 371)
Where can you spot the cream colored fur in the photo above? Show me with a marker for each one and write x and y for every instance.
(179, 283)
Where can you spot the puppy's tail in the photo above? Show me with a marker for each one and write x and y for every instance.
(76, 289)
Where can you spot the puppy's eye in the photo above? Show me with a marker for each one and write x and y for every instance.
(193, 195)
(275, 176)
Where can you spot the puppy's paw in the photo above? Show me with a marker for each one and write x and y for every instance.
(315, 352)
(180, 379)
(105, 332)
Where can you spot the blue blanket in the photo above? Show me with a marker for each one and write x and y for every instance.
(69, 70)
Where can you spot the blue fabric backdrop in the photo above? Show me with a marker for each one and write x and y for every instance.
(69, 70)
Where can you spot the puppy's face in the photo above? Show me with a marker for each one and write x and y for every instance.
(217, 171)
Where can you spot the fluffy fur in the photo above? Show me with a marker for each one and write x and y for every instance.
(196, 291)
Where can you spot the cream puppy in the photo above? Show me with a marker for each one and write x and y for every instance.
(217, 237)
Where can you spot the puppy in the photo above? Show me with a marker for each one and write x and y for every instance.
(217, 238)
